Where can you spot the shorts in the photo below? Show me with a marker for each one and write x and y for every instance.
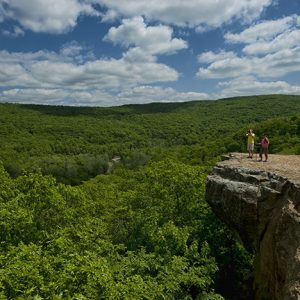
(250, 147)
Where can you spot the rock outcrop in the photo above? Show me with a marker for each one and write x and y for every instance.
(261, 202)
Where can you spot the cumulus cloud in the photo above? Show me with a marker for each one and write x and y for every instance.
(272, 50)
(53, 16)
(288, 39)
(138, 95)
(58, 78)
(14, 32)
(56, 97)
(75, 52)
(263, 31)
(151, 39)
(210, 56)
(224, 65)
(268, 36)
(250, 85)
(147, 94)
(271, 65)
(187, 13)
(73, 75)
(59, 16)
(51, 70)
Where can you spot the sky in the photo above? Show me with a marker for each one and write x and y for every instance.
(115, 52)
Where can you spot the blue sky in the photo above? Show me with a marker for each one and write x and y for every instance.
(114, 52)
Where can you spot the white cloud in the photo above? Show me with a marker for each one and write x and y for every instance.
(286, 40)
(223, 65)
(141, 94)
(187, 13)
(53, 16)
(74, 72)
(56, 97)
(151, 39)
(202, 28)
(71, 49)
(58, 78)
(271, 65)
(210, 56)
(263, 31)
(249, 85)
(147, 94)
(14, 32)
(59, 16)
(137, 54)
(75, 52)
(53, 70)
(272, 50)
(268, 36)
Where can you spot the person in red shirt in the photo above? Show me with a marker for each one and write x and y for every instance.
(264, 147)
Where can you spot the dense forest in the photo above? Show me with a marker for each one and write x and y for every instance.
(74, 224)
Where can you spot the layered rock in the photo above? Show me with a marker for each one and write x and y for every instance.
(261, 202)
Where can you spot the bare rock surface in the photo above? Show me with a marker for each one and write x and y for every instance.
(261, 202)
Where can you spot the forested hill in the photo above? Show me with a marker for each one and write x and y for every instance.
(75, 143)
(70, 230)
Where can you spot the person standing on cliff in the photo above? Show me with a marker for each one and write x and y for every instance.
(264, 147)
(250, 142)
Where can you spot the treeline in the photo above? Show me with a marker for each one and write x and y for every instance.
(76, 143)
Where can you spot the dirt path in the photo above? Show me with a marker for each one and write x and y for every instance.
(283, 165)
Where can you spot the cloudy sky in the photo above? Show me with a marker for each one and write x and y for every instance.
(114, 52)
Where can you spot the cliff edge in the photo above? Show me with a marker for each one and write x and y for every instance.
(260, 201)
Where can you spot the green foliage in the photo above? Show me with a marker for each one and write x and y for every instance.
(59, 241)
(76, 225)
(75, 143)
(283, 133)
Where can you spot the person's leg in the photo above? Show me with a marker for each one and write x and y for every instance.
(266, 154)
(252, 150)
(260, 153)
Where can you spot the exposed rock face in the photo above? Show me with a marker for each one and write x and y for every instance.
(262, 205)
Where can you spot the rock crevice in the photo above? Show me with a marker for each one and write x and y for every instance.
(263, 207)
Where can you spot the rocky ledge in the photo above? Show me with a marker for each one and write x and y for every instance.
(260, 201)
